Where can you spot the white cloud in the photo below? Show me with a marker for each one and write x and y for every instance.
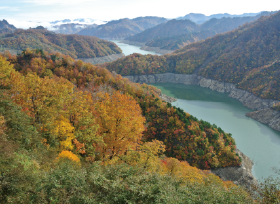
(28, 24)
(8, 8)
(56, 2)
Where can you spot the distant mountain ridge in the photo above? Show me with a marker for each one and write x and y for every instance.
(73, 45)
(175, 34)
(201, 18)
(122, 28)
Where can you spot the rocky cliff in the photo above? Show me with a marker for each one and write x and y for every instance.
(246, 98)
(239, 175)
(100, 60)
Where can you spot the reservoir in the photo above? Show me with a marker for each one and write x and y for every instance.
(257, 141)
(130, 49)
(254, 139)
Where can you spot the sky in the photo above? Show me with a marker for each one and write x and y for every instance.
(28, 13)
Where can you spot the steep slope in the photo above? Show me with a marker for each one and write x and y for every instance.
(120, 29)
(5, 27)
(5, 24)
(168, 29)
(73, 45)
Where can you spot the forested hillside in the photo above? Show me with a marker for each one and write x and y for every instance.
(73, 45)
(176, 34)
(72, 132)
(246, 57)
(123, 28)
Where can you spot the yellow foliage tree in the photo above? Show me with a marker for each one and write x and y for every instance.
(63, 130)
(121, 123)
(65, 154)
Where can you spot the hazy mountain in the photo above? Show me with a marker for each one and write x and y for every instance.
(5, 24)
(5, 27)
(201, 18)
(175, 34)
(120, 29)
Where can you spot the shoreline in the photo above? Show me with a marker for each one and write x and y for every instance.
(262, 111)
(101, 60)
(240, 175)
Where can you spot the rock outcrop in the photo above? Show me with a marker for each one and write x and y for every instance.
(167, 98)
(246, 98)
(238, 175)
(267, 116)
(100, 60)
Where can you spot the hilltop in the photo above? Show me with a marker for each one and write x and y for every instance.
(73, 45)
(120, 29)
(5, 27)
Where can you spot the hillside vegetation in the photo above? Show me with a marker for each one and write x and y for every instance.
(72, 45)
(247, 57)
(83, 142)
(123, 28)
(176, 34)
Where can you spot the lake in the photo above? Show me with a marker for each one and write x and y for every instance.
(130, 49)
(257, 141)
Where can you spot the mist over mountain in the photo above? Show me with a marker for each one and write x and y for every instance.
(72, 28)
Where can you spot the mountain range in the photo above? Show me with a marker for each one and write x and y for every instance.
(175, 34)
(120, 29)
(247, 57)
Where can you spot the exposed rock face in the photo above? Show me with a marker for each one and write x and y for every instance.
(267, 116)
(100, 60)
(239, 175)
(167, 98)
(271, 118)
